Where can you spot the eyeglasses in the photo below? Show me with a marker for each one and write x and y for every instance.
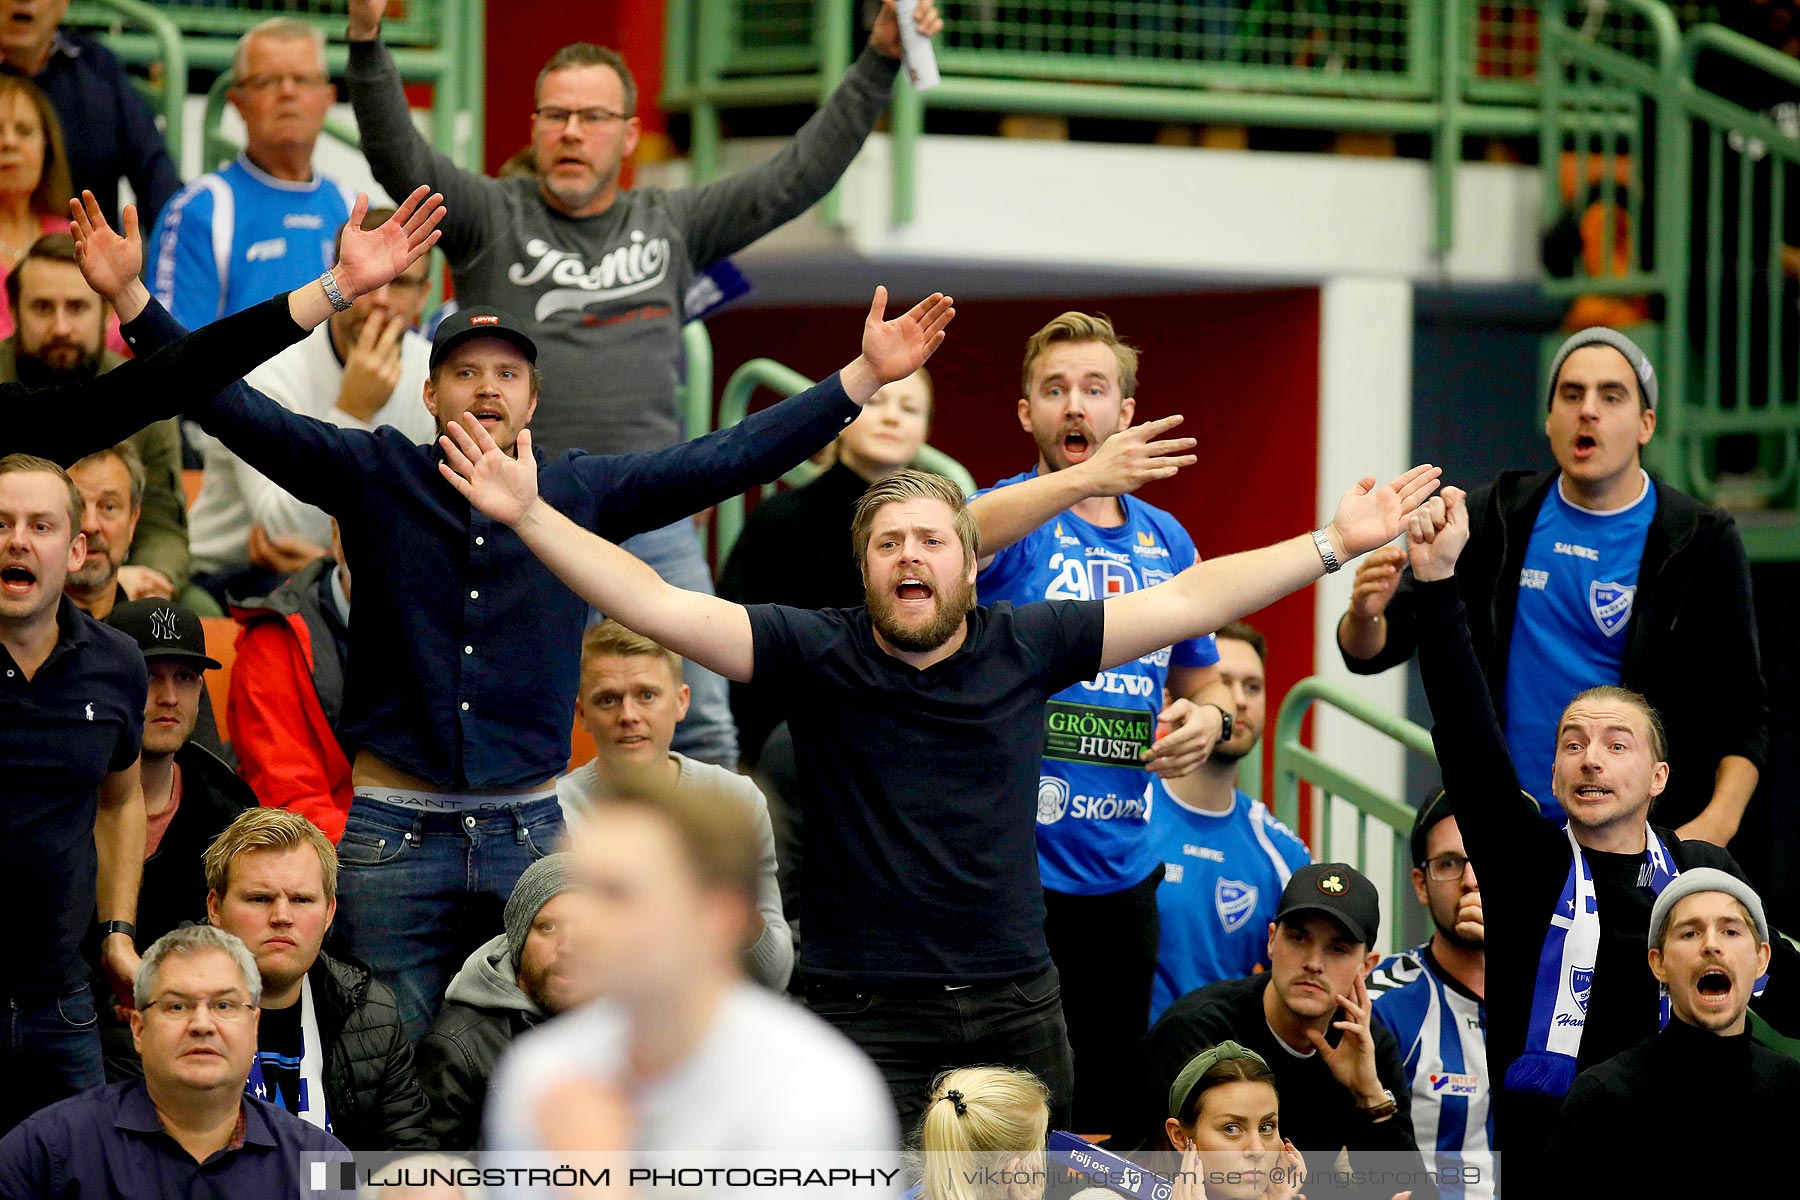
(183, 1009)
(1446, 867)
(556, 118)
(272, 80)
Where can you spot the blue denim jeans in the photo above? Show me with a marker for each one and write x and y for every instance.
(418, 892)
(707, 733)
(49, 1050)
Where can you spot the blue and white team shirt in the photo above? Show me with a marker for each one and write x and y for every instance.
(236, 237)
(1093, 799)
(1222, 878)
(1442, 1030)
(1575, 599)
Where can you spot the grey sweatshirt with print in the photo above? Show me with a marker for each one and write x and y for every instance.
(603, 295)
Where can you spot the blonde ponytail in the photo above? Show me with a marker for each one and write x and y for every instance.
(976, 1112)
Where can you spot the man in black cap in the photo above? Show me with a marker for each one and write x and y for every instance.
(1338, 1071)
(466, 649)
(1596, 573)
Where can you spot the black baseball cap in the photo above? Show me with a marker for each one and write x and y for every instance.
(164, 629)
(1338, 890)
(481, 321)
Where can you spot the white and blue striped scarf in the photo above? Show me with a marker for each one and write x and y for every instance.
(1565, 974)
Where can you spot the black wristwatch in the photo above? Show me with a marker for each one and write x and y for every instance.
(1225, 722)
(108, 928)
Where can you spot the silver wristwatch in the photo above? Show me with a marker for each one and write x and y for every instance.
(328, 281)
(1326, 552)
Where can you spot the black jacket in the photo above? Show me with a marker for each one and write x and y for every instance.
(1523, 862)
(1693, 612)
(174, 886)
(457, 1057)
(371, 1088)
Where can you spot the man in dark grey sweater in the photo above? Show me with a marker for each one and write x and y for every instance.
(600, 271)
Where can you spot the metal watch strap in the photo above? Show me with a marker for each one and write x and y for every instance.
(328, 281)
(1326, 552)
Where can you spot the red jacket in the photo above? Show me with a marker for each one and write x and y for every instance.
(287, 689)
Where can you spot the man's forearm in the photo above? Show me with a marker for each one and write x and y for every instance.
(1007, 514)
(120, 828)
(1733, 784)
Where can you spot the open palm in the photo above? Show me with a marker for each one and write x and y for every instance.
(1369, 516)
(897, 348)
(370, 258)
(109, 261)
(496, 483)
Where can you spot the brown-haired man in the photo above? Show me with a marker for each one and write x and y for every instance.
(330, 1048)
(924, 914)
(602, 271)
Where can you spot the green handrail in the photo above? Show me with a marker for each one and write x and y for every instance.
(1296, 763)
(697, 379)
(734, 403)
(171, 53)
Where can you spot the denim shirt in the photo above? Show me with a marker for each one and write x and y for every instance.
(465, 649)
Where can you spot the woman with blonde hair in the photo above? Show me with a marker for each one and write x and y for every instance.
(984, 1122)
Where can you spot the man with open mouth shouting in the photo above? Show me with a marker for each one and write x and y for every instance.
(1580, 577)
(1633, 1115)
(1564, 910)
(919, 740)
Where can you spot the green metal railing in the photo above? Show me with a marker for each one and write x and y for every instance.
(734, 403)
(1297, 763)
(1689, 195)
(168, 85)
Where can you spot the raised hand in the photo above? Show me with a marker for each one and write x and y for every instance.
(1194, 730)
(365, 19)
(1377, 579)
(372, 257)
(1436, 534)
(110, 263)
(1128, 460)
(895, 349)
(885, 36)
(493, 481)
(1368, 515)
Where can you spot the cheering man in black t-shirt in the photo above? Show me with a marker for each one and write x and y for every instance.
(918, 724)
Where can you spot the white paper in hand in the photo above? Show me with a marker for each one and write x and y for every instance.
(915, 48)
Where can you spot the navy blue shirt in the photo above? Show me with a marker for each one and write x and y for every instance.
(108, 130)
(466, 649)
(921, 787)
(107, 1142)
(79, 718)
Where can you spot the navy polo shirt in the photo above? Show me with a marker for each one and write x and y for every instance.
(108, 1142)
(77, 720)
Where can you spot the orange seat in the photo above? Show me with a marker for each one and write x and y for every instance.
(581, 746)
(190, 483)
(221, 643)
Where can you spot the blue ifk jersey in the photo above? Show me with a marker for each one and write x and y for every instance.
(236, 237)
(1576, 593)
(1093, 797)
(1442, 1030)
(1222, 878)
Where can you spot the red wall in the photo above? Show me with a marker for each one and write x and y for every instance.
(1242, 367)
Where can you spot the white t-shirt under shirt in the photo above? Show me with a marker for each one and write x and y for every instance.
(305, 378)
(768, 1076)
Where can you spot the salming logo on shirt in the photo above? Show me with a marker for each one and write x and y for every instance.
(571, 284)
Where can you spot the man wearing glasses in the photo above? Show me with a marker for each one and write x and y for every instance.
(1431, 998)
(362, 369)
(601, 272)
(186, 1128)
(265, 223)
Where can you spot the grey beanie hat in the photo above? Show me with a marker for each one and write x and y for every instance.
(1705, 879)
(542, 882)
(1600, 335)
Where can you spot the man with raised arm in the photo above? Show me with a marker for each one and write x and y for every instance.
(1565, 910)
(73, 420)
(465, 651)
(600, 272)
(919, 742)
